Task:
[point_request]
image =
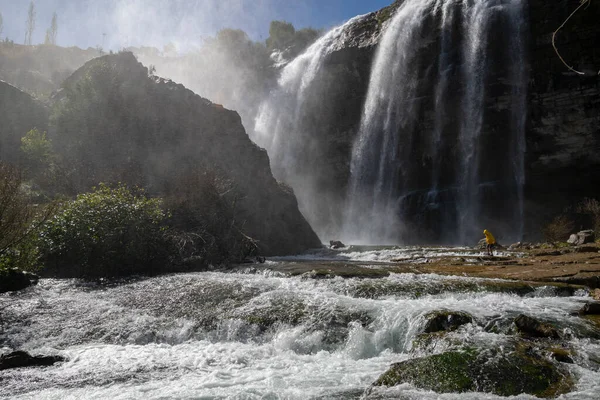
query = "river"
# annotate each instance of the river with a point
(256, 334)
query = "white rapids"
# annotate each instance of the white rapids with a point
(199, 335)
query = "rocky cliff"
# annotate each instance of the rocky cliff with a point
(112, 121)
(156, 130)
(563, 135)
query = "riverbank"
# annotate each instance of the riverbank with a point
(577, 265)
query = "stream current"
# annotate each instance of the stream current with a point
(262, 335)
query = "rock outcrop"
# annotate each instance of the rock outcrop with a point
(148, 131)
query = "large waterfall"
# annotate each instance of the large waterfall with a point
(284, 126)
(447, 179)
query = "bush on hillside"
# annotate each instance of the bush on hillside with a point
(107, 232)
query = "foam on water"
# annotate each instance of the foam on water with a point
(239, 336)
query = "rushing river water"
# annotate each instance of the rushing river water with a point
(261, 335)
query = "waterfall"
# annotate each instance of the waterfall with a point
(283, 126)
(445, 179)
(380, 157)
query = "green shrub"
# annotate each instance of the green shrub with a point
(108, 232)
(37, 151)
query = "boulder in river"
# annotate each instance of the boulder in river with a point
(12, 280)
(531, 327)
(488, 371)
(438, 321)
(20, 359)
(336, 244)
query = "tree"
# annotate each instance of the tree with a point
(1, 24)
(30, 23)
(52, 31)
(19, 221)
(281, 34)
(284, 37)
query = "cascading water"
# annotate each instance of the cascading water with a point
(284, 126)
(252, 336)
(443, 180)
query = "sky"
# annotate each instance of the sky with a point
(114, 24)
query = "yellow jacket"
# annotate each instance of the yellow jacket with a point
(489, 238)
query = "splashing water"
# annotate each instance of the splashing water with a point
(238, 336)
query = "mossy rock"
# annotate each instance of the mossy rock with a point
(489, 371)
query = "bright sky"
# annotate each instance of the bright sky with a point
(158, 22)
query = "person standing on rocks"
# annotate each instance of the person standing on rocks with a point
(490, 240)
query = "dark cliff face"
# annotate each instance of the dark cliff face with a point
(19, 113)
(562, 161)
(563, 135)
(148, 131)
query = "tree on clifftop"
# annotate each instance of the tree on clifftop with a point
(52, 31)
(30, 23)
(284, 37)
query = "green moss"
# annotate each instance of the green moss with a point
(443, 373)
(490, 371)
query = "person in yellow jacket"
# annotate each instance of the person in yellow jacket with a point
(490, 240)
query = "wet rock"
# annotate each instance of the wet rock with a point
(561, 355)
(491, 371)
(582, 237)
(20, 359)
(446, 321)
(12, 280)
(596, 294)
(590, 309)
(336, 244)
(531, 327)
